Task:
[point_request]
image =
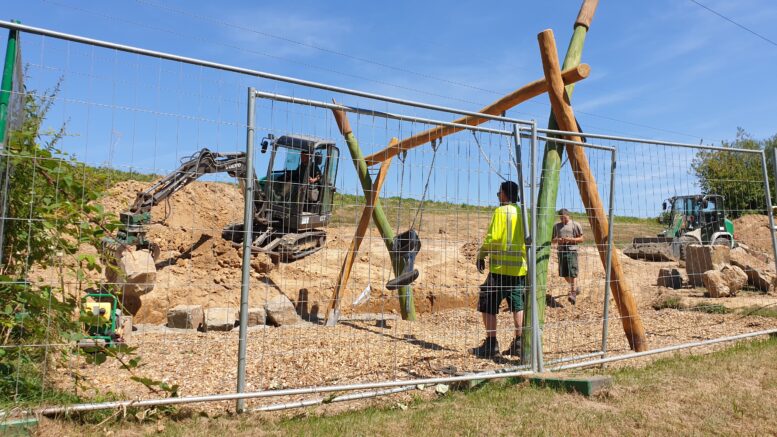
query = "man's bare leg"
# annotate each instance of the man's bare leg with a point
(489, 321)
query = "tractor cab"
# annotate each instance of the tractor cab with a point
(697, 219)
(300, 182)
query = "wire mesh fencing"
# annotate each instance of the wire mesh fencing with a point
(184, 237)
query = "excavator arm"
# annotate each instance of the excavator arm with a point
(201, 163)
(134, 220)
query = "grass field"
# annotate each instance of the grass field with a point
(731, 392)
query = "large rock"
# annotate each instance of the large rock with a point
(257, 316)
(650, 252)
(134, 273)
(699, 259)
(715, 285)
(668, 298)
(280, 311)
(185, 317)
(759, 274)
(670, 278)
(734, 277)
(219, 319)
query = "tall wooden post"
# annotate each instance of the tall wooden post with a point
(406, 304)
(559, 101)
(549, 179)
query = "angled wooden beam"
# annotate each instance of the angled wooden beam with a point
(565, 116)
(511, 100)
(361, 229)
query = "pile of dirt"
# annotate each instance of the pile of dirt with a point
(753, 231)
(195, 266)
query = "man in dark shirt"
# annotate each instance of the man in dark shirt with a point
(567, 234)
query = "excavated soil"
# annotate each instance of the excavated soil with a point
(196, 266)
(753, 230)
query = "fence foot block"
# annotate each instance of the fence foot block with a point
(585, 385)
(18, 427)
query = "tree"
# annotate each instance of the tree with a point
(737, 176)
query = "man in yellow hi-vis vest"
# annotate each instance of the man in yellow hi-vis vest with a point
(505, 246)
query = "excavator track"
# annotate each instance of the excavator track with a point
(284, 247)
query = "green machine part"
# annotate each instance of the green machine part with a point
(96, 327)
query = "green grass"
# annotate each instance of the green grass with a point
(762, 311)
(732, 391)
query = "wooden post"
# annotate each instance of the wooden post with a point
(534, 89)
(549, 179)
(559, 101)
(405, 294)
(364, 222)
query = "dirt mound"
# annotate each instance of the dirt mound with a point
(753, 231)
(195, 266)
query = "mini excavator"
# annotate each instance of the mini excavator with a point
(291, 204)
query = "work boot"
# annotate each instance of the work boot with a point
(515, 347)
(489, 348)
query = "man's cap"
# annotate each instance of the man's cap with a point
(563, 211)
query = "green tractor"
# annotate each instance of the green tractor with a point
(694, 219)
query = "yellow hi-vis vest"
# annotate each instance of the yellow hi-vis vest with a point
(504, 242)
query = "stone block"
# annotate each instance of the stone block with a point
(650, 252)
(734, 277)
(280, 311)
(670, 278)
(699, 259)
(219, 319)
(759, 274)
(715, 285)
(134, 273)
(185, 317)
(257, 316)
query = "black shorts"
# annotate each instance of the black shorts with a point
(567, 264)
(498, 287)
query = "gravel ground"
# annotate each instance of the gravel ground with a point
(434, 346)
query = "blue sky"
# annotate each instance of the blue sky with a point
(662, 69)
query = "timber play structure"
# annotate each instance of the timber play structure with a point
(558, 83)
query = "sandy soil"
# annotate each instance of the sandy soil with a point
(196, 266)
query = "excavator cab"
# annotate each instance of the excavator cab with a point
(300, 183)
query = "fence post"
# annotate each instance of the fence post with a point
(607, 274)
(248, 220)
(769, 205)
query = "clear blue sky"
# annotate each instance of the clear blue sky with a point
(661, 69)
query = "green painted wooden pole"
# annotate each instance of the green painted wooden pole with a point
(406, 304)
(7, 83)
(549, 180)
